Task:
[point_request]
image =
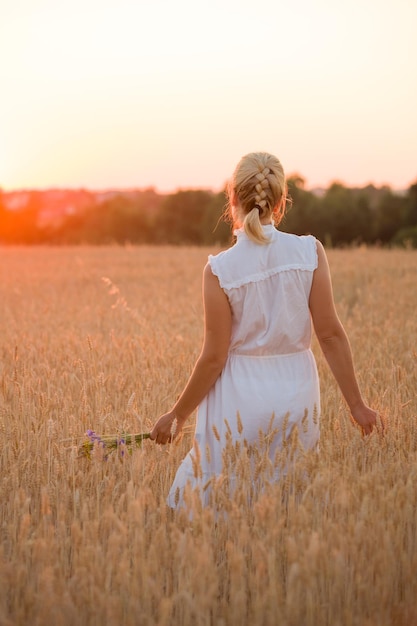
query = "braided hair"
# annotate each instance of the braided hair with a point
(257, 190)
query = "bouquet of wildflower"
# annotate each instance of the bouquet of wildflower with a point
(110, 442)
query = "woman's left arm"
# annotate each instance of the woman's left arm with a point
(210, 363)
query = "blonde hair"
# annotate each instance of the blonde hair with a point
(257, 190)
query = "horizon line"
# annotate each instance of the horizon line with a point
(158, 191)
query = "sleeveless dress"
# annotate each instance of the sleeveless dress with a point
(270, 372)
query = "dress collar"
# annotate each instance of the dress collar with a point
(268, 229)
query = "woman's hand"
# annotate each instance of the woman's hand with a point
(366, 418)
(167, 428)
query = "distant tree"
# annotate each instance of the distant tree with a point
(389, 216)
(302, 212)
(410, 207)
(118, 220)
(406, 237)
(214, 228)
(28, 218)
(363, 216)
(5, 225)
(182, 215)
(346, 215)
(21, 225)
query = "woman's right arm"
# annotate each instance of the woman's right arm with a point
(335, 344)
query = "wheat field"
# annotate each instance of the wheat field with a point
(104, 339)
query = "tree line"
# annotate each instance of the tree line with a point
(339, 216)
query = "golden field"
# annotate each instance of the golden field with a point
(104, 339)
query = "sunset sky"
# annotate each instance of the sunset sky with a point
(171, 93)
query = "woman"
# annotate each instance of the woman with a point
(256, 368)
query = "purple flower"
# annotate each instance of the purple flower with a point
(93, 437)
(121, 442)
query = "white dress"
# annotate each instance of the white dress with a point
(270, 371)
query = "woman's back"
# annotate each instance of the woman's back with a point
(268, 287)
(256, 372)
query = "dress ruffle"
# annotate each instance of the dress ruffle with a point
(255, 278)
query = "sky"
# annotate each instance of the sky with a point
(171, 93)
